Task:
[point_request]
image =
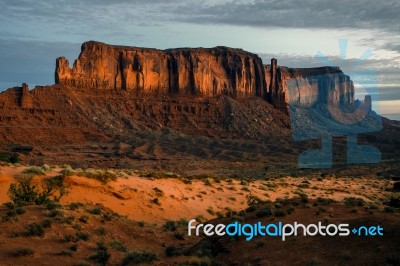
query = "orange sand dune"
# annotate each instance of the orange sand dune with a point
(134, 196)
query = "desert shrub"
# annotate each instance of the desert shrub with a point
(74, 247)
(137, 257)
(117, 245)
(389, 209)
(234, 218)
(65, 253)
(251, 208)
(54, 213)
(82, 236)
(23, 252)
(70, 238)
(156, 201)
(324, 201)
(179, 236)
(34, 229)
(104, 176)
(211, 211)
(75, 205)
(351, 201)
(172, 251)
(101, 256)
(101, 231)
(53, 205)
(67, 171)
(171, 225)
(9, 157)
(254, 200)
(158, 191)
(20, 210)
(9, 205)
(280, 213)
(46, 223)
(183, 222)
(200, 218)
(303, 197)
(267, 211)
(34, 170)
(207, 182)
(95, 211)
(25, 191)
(84, 219)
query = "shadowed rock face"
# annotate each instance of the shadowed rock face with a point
(207, 72)
(309, 86)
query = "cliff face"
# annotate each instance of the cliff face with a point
(307, 86)
(207, 72)
(201, 71)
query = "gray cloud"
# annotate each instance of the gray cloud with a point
(362, 14)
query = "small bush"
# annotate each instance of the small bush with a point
(9, 205)
(34, 229)
(95, 211)
(351, 201)
(82, 236)
(34, 170)
(75, 205)
(267, 211)
(46, 223)
(101, 256)
(9, 158)
(137, 257)
(171, 225)
(251, 208)
(84, 219)
(65, 253)
(156, 201)
(74, 247)
(101, 231)
(25, 191)
(280, 213)
(117, 245)
(324, 201)
(179, 236)
(54, 213)
(23, 252)
(158, 191)
(19, 210)
(172, 251)
(104, 176)
(389, 209)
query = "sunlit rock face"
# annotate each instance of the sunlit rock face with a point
(202, 71)
(207, 72)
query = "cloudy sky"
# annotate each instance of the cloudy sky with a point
(34, 33)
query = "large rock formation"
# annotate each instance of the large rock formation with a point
(207, 72)
(308, 86)
(201, 71)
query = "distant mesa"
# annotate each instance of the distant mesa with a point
(115, 94)
(197, 71)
